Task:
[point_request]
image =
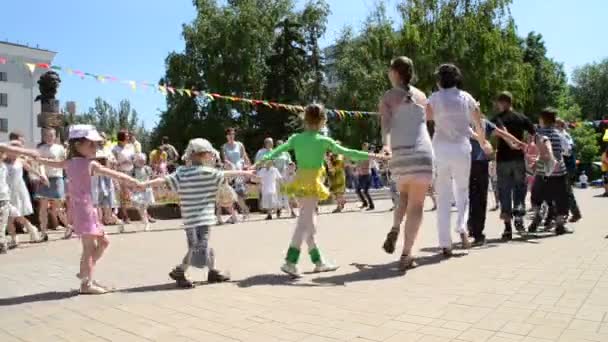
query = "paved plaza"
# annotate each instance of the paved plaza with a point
(543, 288)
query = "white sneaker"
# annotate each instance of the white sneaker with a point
(291, 270)
(323, 267)
(147, 227)
(34, 234)
(121, 228)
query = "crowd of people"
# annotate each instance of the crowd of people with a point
(431, 146)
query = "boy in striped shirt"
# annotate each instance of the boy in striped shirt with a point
(551, 175)
(197, 186)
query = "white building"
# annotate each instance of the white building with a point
(19, 88)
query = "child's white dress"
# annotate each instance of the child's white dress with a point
(146, 197)
(270, 178)
(21, 205)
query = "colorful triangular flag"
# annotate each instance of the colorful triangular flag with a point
(31, 67)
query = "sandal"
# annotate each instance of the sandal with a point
(466, 244)
(407, 262)
(391, 241)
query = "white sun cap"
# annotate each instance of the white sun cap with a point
(84, 131)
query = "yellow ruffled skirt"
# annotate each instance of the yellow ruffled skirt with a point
(308, 183)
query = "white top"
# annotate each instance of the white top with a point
(452, 113)
(5, 191)
(567, 143)
(53, 152)
(269, 178)
(124, 157)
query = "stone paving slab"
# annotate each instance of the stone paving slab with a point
(544, 288)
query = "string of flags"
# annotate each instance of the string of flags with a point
(168, 89)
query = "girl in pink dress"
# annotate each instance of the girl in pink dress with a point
(80, 166)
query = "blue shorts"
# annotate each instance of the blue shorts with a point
(54, 191)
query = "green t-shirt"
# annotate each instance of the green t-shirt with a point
(310, 148)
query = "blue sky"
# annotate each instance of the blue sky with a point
(130, 39)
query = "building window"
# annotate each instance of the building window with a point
(4, 125)
(3, 99)
(3, 77)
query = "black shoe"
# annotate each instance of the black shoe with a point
(575, 218)
(495, 208)
(214, 276)
(507, 236)
(363, 206)
(269, 217)
(391, 240)
(533, 228)
(44, 238)
(561, 230)
(548, 225)
(518, 222)
(371, 208)
(279, 214)
(179, 276)
(480, 241)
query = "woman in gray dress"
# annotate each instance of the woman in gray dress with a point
(405, 136)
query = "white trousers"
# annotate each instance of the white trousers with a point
(306, 224)
(453, 162)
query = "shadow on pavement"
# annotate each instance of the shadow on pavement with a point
(38, 297)
(272, 280)
(366, 272)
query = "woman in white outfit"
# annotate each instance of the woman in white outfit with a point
(453, 111)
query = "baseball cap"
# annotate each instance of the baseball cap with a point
(84, 131)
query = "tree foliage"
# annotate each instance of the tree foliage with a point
(586, 140)
(591, 89)
(110, 120)
(269, 49)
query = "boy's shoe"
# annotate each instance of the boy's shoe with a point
(3, 248)
(507, 236)
(575, 218)
(291, 269)
(518, 222)
(147, 227)
(325, 267)
(479, 241)
(179, 276)
(268, 217)
(561, 230)
(44, 237)
(215, 276)
(91, 288)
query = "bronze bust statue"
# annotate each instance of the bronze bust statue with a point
(48, 84)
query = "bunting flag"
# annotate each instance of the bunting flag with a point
(31, 67)
(191, 93)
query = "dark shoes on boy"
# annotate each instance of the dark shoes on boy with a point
(213, 277)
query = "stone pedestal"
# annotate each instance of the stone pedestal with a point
(51, 117)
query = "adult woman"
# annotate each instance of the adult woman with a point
(405, 135)
(235, 158)
(123, 154)
(337, 179)
(51, 196)
(453, 112)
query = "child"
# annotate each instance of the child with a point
(288, 178)
(197, 187)
(142, 199)
(20, 203)
(80, 166)
(310, 147)
(104, 193)
(5, 192)
(550, 183)
(226, 197)
(269, 183)
(605, 171)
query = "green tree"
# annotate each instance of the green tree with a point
(591, 89)
(586, 140)
(226, 49)
(110, 120)
(548, 79)
(314, 24)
